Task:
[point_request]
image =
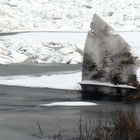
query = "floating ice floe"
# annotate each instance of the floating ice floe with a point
(72, 103)
(58, 81)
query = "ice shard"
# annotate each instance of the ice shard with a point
(107, 57)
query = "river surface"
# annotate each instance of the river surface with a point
(20, 110)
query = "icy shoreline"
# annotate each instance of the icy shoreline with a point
(42, 47)
(68, 81)
(52, 47)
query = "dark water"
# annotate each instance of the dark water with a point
(20, 111)
(30, 69)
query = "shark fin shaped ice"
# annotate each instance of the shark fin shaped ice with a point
(107, 56)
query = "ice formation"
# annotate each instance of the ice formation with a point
(107, 56)
(64, 15)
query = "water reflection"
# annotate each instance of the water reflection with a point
(114, 122)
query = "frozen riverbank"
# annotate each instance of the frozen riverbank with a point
(51, 47)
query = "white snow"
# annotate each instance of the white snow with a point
(68, 80)
(27, 49)
(52, 47)
(60, 81)
(75, 103)
(93, 82)
(72, 15)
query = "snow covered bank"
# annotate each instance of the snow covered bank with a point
(69, 80)
(59, 81)
(42, 15)
(36, 51)
(52, 47)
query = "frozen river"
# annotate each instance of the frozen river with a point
(71, 37)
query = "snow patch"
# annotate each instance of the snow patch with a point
(93, 82)
(59, 81)
(76, 103)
